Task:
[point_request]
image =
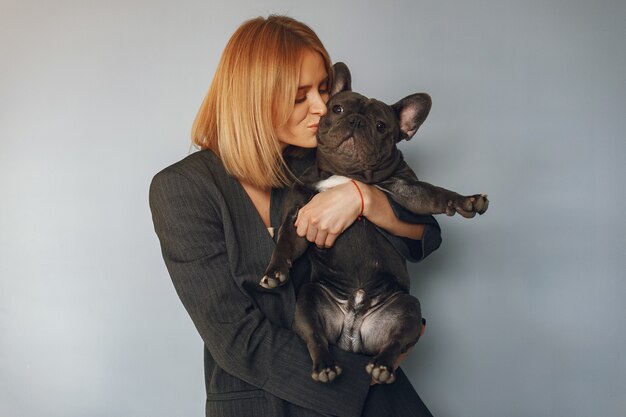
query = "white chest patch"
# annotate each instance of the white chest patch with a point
(331, 182)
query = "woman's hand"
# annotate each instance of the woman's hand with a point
(328, 214)
(331, 212)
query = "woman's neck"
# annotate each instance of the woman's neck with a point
(260, 197)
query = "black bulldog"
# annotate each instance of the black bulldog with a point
(358, 295)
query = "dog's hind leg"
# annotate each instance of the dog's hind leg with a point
(388, 331)
(318, 320)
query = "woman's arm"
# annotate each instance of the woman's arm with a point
(238, 335)
(329, 213)
(378, 210)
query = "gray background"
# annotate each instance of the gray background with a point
(525, 304)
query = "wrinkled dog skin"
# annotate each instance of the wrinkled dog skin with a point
(358, 295)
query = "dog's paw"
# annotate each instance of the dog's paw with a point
(274, 279)
(468, 206)
(381, 374)
(276, 274)
(325, 369)
(326, 374)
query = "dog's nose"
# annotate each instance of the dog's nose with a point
(356, 122)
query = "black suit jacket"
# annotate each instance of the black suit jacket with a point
(216, 248)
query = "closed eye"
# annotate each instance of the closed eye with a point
(322, 89)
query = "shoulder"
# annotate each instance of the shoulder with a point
(202, 169)
(199, 176)
(200, 165)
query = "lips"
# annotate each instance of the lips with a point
(313, 128)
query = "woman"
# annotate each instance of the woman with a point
(214, 213)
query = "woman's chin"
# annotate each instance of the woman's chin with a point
(305, 143)
(310, 143)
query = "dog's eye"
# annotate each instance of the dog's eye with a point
(337, 109)
(380, 126)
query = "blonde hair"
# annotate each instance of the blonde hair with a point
(252, 93)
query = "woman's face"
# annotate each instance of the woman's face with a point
(301, 127)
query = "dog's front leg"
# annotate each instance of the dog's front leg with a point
(289, 246)
(424, 198)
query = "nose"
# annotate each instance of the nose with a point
(318, 105)
(355, 122)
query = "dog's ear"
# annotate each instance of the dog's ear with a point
(411, 112)
(342, 81)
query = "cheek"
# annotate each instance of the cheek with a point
(297, 117)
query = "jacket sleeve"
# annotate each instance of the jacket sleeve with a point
(240, 338)
(414, 250)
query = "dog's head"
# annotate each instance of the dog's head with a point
(358, 136)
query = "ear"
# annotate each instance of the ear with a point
(342, 81)
(411, 112)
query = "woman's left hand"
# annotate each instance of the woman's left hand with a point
(328, 214)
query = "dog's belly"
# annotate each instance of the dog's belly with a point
(360, 274)
(362, 320)
(362, 258)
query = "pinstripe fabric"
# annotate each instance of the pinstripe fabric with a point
(216, 248)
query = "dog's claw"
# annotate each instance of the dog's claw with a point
(380, 373)
(273, 280)
(327, 374)
(268, 283)
(468, 206)
(450, 210)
